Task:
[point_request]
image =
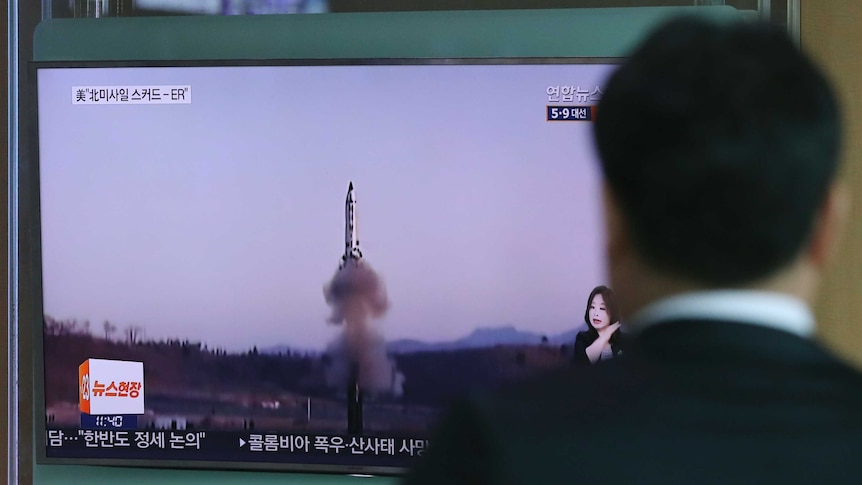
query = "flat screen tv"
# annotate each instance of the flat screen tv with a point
(298, 265)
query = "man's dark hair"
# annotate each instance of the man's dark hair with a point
(719, 143)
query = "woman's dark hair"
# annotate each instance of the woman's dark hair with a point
(610, 304)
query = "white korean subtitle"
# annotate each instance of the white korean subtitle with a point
(90, 95)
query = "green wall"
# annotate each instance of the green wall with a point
(564, 33)
(561, 32)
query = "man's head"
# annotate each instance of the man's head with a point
(719, 145)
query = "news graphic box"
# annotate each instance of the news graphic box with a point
(111, 387)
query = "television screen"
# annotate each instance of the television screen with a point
(300, 265)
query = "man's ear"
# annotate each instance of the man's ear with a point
(829, 226)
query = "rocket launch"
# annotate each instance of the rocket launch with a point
(357, 296)
(352, 253)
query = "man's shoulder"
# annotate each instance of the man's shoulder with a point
(564, 394)
(703, 401)
(524, 430)
(700, 369)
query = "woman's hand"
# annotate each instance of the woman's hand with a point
(594, 350)
(606, 333)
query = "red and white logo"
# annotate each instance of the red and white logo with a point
(111, 387)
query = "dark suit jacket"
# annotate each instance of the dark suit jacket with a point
(689, 403)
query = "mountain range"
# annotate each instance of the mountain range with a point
(479, 338)
(484, 337)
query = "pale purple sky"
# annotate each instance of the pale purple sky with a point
(221, 220)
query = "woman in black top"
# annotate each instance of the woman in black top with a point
(602, 340)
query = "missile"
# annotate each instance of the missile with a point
(351, 238)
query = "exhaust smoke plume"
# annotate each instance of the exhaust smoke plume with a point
(357, 297)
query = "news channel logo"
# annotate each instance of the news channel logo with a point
(111, 387)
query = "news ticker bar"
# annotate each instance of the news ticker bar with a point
(206, 444)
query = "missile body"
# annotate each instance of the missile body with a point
(352, 253)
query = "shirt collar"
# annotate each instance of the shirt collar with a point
(773, 310)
